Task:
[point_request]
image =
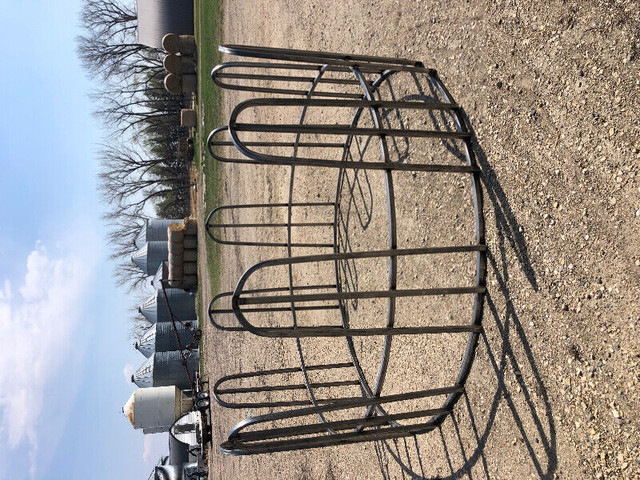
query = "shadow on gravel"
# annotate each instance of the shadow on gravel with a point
(521, 407)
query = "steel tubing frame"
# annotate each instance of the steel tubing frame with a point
(241, 298)
(211, 225)
(314, 69)
(324, 433)
(219, 393)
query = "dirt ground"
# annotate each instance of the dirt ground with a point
(552, 92)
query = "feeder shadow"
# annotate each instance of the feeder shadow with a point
(462, 439)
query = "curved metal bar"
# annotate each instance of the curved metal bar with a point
(213, 311)
(235, 127)
(219, 392)
(481, 262)
(210, 226)
(393, 242)
(376, 423)
(212, 143)
(303, 367)
(366, 63)
(268, 440)
(366, 388)
(219, 72)
(238, 301)
(222, 311)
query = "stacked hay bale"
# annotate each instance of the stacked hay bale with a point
(183, 255)
(180, 63)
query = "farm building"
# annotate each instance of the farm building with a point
(156, 18)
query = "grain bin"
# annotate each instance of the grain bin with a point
(161, 337)
(183, 306)
(154, 229)
(155, 409)
(150, 256)
(165, 368)
(161, 274)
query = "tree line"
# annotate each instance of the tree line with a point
(140, 173)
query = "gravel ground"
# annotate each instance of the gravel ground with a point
(551, 90)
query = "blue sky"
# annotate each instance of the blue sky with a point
(64, 328)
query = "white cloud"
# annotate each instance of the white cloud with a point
(148, 448)
(155, 446)
(37, 324)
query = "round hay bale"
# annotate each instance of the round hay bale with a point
(172, 64)
(188, 64)
(175, 232)
(190, 256)
(189, 281)
(176, 258)
(171, 43)
(173, 84)
(176, 272)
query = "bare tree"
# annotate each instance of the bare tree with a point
(140, 171)
(108, 18)
(108, 48)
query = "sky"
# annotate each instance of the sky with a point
(65, 346)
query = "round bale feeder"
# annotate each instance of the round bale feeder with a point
(377, 255)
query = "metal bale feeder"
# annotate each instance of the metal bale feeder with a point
(345, 270)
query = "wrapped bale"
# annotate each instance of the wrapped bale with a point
(182, 44)
(190, 268)
(179, 64)
(189, 281)
(179, 84)
(191, 226)
(191, 242)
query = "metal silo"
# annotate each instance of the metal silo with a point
(154, 229)
(165, 368)
(155, 409)
(162, 338)
(150, 256)
(183, 306)
(156, 18)
(161, 274)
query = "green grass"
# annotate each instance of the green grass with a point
(208, 32)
